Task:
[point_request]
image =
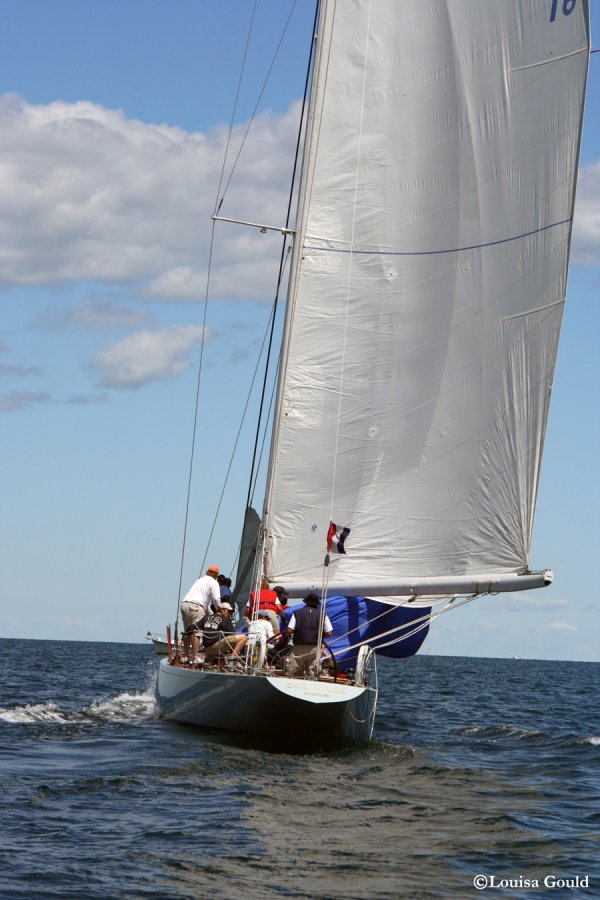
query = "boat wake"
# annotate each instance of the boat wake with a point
(125, 707)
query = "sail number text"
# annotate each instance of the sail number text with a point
(567, 8)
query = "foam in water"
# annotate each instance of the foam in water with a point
(40, 712)
(124, 707)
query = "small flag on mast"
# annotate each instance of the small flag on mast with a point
(336, 537)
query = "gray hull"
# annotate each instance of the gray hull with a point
(273, 709)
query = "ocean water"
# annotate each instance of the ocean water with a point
(478, 767)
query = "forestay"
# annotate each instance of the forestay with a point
(427, 287)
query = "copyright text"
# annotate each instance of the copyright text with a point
(485, 882)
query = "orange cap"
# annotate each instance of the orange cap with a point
(213, 569)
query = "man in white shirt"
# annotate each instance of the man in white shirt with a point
(203, 597)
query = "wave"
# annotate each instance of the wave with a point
(40, 712)
(508, 730)
(504, 729)
(124, 708)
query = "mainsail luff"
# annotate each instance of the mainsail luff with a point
(427, 287)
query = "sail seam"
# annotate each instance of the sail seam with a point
(551, 59)
(532, 312)
(507, 240)
(345, 340)
(349, 278)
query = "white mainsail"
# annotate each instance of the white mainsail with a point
(427, 289)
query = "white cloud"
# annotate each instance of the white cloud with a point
(561, 626)
(586, 228)
(86, 193)
(179, 283)
(93, 314)
(146, 356)
(245, 266)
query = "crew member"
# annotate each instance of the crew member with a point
(263, 599)
(218, 635)
(305, 626)
(202, 598)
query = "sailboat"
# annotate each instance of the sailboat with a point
(427, 286)
(161, 647)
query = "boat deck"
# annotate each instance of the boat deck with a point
(239, 667)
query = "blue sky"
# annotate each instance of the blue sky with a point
(113, 120)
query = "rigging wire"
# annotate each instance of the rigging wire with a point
(421, 623)
(390, 608)
(218, 204)
(243, 417)
(422, 619)
(282, 266)
(202, 343)
(194, 427)
(259, 98)
(259, 559)
(235, 105)
(266, 429)
(267, 361)
(265, 432)
(448, 608)
(260, 456)
(255, 471)
(284, 242)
